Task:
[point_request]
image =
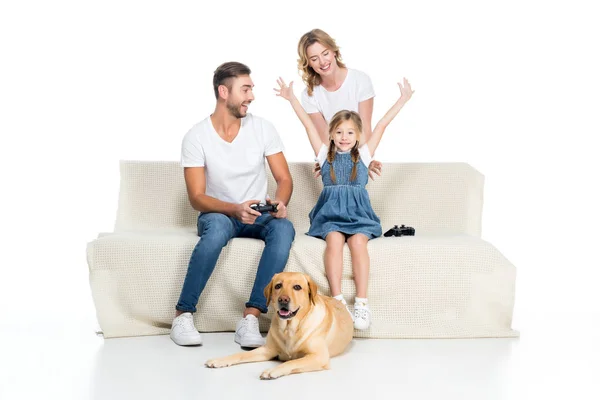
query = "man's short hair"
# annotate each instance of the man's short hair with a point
(225, 72)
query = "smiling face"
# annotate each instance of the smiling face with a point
(238, 95)
(291, 293)
(345, 136)
(321, 59)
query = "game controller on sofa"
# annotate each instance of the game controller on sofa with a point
(400, 231)
(264, 208)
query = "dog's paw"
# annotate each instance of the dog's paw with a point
(217, 363)
(271, 374)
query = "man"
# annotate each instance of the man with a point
(224, 165)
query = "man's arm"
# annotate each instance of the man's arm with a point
(195, 181)
(281, 173)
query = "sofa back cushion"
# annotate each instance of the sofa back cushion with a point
(434, 198)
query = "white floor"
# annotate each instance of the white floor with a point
(510, 88)
(64, 359)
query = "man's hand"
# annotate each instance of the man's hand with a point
(375, 168)
(245, 214)
(281, 209)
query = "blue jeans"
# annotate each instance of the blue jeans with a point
(215, 231)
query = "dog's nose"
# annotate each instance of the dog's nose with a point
(283, 299)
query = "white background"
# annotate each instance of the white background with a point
(510, 87)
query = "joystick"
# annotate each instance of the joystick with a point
(400, 231)
(264, 208)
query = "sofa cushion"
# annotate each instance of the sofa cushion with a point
(422, 286)
(434, 198)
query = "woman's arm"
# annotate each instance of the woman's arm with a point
(365, 110)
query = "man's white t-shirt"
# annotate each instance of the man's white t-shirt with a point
(235, 172)
(356, 87)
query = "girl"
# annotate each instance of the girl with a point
(343, 212)
(331, 86)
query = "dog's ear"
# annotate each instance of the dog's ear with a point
(312, 289)
(268, 290)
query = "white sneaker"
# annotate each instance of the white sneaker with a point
(183, 331)
(348, 308)
(343, 301)
(247, 333)
(362, 316)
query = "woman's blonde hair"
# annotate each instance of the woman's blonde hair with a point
(338, 118)
(310, 77)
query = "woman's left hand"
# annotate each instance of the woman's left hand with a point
(375, 168)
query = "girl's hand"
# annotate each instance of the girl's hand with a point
(285, 91)
(406, 91)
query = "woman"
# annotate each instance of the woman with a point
(331, 87)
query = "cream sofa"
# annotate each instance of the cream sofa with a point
(445, 282)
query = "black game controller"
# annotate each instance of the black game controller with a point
(264, 208)
(400, 231)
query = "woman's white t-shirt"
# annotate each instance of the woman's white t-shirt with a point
(356, 87)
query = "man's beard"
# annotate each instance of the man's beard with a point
(235, 110)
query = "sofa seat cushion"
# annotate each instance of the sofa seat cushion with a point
(421, 286)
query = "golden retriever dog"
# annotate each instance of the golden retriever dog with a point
(306, 330)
